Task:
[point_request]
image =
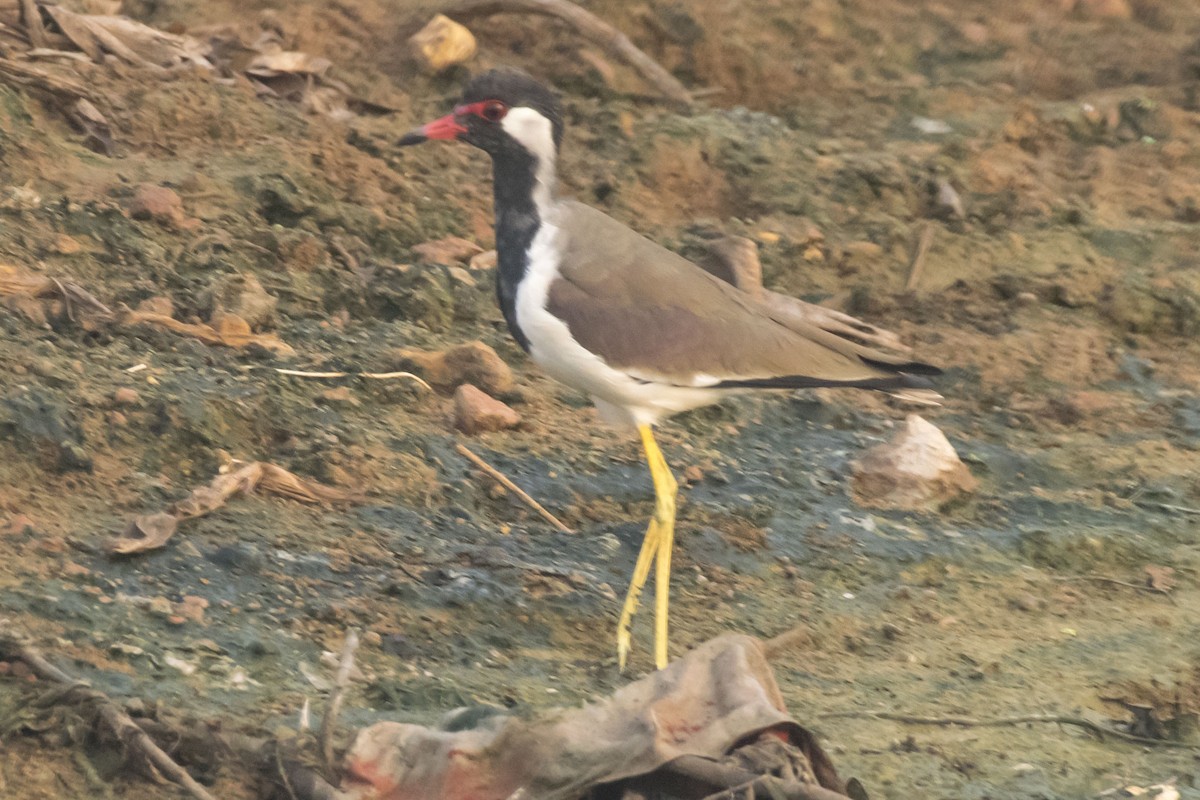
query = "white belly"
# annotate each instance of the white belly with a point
(621, 398)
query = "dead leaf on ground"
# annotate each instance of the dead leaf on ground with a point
(88, 119)
(129, 40)
(1160, 579)
(231, 330)
(151, 531)
(17, 284)
(145, 532)
(270, 65)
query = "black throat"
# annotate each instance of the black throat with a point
(517, 222)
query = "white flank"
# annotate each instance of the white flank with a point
(620, 397)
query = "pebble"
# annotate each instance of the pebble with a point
(125, 396)
(476, 412)
(917, 469)
(473, 362)
(157, 203)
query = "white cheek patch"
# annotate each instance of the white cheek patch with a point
(535, 133)
(532, 130)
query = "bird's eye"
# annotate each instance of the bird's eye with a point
(493, 111)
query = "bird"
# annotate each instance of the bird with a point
(642, 330)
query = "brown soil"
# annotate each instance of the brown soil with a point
(1065, 305)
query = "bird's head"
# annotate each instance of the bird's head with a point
(502, 111)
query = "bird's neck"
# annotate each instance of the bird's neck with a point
(524, 199)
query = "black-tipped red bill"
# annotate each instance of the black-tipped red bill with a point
(448, 127)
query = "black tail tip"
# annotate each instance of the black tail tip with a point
(412, 137)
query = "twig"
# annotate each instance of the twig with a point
(918, 262)
(126, 730)
(589, 27)
(1114, 582)
(512, 487)
(375, 376)
(329, 721)
(31, 18)
(1191, 512)
(966, 722)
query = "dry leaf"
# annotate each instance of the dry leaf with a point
(91, 122)
(151, 531)
(217, 493)
(129, 40)
(293, 62)
(14, 281)
(17, 283)
(145, 532)
(232, 330)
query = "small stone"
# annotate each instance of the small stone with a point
(372, 639)
(475, 412)
(442, 44)
(693, 474)
(338, 395)
(158, 305)
(461, 275)
(484, 260)
(125, 396)
(863, 250)
(65, 245)
(918, 469)
(474, 363)
(191, 608)
(17, 525)
(1026, 602)
(243, 296)
(1113, 9)
(448, 250)
(116, 419)
(157, 203)
(160, 606)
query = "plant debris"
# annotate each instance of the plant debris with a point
(151, 531)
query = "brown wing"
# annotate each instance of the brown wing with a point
(646, 310)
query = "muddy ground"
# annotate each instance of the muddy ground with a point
(1064, 303)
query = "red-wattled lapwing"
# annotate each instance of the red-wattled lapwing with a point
(643, 331)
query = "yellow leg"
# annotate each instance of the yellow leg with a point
(656, 549)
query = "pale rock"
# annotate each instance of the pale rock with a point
(442, 44)
(917, 470)
(475, 412)
(157, 203)
(473, 362)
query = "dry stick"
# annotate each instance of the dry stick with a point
(1191, 512)
(512, 487)
(918, 262)
(126, 730)
(375, 376)
(1114, 582)
(31, 18)
(329, 721)
(589, 27)
(967, 722)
